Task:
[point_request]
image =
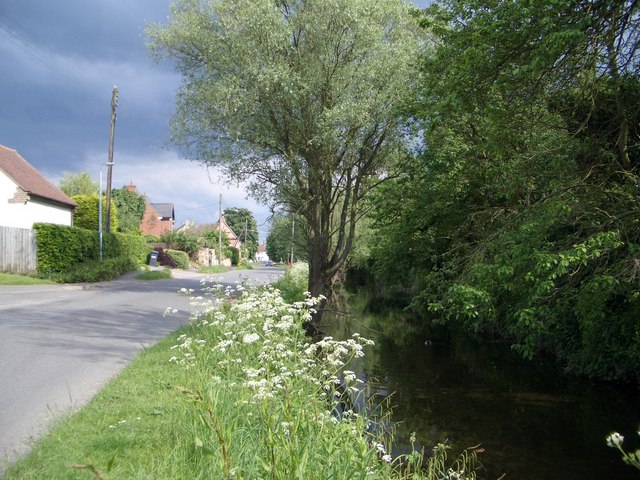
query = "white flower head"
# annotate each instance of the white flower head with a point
(615, 440)
(250, 338)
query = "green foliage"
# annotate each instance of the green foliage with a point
(86, 214)
(95, 271)
(80, 183)
(15, 279)
(181, 259)
(155, 275)
(189, 241)
(71, 254)
(236, 218)
(60, 247)
(245, 396)
(234, 255)
(214, 269)
(130, 211)
(293, 284)
(518, 217)
(278, 243)
(300, 99)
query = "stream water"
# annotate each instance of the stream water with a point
(534, 422)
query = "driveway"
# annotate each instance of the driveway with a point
(61, 344)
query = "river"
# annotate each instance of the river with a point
(533, 421)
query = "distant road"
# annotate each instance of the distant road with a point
(61, 344)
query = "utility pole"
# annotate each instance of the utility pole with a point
(114, 105)
(246, 250)
(293, 230)
(220, 232)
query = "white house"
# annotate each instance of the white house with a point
(26, 197)
(261, 254)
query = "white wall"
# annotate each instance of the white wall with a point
(19, 215)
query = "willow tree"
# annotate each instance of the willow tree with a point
(299, 98)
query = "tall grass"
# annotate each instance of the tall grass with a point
(293, 284)
(242, 393)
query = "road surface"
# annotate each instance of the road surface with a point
(60, 344)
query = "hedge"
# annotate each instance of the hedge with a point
(86, 214)
(181, 259)
(62, 249)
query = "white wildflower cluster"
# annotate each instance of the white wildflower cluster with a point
(382, 451)
(170, 311)
(335, 355)
(256, 342)
(186, 350)
(615, 440)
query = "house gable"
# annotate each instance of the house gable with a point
(157, 218)
(27, 197)
(30, 180)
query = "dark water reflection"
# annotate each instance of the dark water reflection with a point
(533, 421)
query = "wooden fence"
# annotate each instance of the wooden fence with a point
(18, 252)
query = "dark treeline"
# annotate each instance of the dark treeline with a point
(519, 216)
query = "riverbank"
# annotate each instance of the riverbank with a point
(534, 420)
(239, 393)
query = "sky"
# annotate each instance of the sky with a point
(60, 62)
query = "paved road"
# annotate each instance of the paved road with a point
(60, 344)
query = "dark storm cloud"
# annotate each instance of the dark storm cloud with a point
(61, 60)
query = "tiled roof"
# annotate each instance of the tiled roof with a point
(30, 179)
(164, 209)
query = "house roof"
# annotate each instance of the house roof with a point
(164, 209)
(30, 179)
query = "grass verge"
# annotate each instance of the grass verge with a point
(155, 275)
(239, 394)
(214, 269)
(13, 279)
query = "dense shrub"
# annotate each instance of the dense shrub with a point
(60, 246)
(95, 271)
(165, 259)
(72, 254)
(181, 259)
(293, 284)
(86, 214)
(235, 255)
(189, 242)
(132, 246)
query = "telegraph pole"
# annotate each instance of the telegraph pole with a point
(246, 250)
(220, 232)
(114, 105)
(293, 231)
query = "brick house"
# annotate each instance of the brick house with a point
(158, 217)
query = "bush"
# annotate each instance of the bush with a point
(71, 254)
(181, 259)
(164, 259)
(184, 241)
(86, 214)
(95, 271)
(295, 282)
(235, 255)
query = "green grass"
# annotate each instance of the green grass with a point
(12, 279)
(214, 269)
(244, 266)
(136, 419)
(240, 394)
(155, 275)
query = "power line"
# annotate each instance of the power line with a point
(21, 37)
